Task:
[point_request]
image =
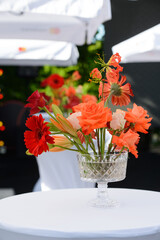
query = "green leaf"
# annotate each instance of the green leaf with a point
(52, 128)
(56, 110)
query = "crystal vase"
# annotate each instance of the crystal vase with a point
(102, 170)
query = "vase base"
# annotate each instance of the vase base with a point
(106, 203)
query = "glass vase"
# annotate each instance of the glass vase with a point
(102, 170)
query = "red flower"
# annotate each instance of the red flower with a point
(139, 117)
(36, 100)
(47, 98)
(1, 96)
(73, 101)
(1, 72)
(54, 81)
(120, 93)
(37, 137)
(2, 128)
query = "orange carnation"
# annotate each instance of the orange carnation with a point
(139, 117)
(93, 116)
(129, 140)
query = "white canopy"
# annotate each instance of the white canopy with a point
(37, 52)
(144, 47)
(60, 20)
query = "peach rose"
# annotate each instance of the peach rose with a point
(118, 121)
(74, 120)
(79, 89)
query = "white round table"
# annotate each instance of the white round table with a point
(65, 214)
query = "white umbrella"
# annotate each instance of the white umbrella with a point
(37, 52)
(143, 47)
(73, 21)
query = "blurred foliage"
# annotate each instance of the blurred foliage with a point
(19, 86)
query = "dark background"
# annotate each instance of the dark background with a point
(128, 19)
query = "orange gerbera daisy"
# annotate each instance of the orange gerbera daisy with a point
(93, 116)
(129, 140)
(139, 117)
(120, 93)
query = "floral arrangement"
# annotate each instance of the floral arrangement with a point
(63, 93)
(86, 127)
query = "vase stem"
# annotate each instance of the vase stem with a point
(102, 192)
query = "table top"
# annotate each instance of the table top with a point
(66, 214)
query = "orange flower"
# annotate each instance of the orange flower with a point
(60, 141)
(95, 75)
(70, 91)
(114, 61)
(139, 117)
(56, 101)
(87, 98)
(63, 125)
(120, 93)
(94, 116)
(129, 140)
(76, 76)
(1, 72)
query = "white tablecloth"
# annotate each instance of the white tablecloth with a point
(62, 214)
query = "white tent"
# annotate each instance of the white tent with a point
(37, 52)
(73, 21)
(144, 47)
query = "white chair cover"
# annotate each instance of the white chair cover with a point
(59, 170)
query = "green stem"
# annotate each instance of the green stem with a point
(98, 143)
(91, 144)
(107, 101)
(46, 110)
(120, 152)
